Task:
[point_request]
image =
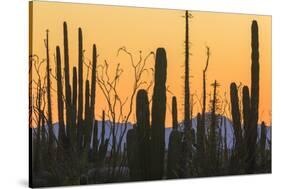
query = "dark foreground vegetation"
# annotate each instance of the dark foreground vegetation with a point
(81, 154)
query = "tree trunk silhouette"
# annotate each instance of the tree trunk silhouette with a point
(49, 99)
(186, 156)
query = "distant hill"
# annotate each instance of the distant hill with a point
(224, 122)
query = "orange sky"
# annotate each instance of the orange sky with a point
(111, 27)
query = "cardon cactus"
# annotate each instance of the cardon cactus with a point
(236, 117)
(246, 110)
(67, 82)
(80, 91)
(95, 142)
(143, 132)
(133, 154)
(62, 136)
(254, 115)
(86, 126)
(74, 107)
(237, 158)
(158, 115)
(138, 140)
(174, 148)
(93, 87)
(174, 113)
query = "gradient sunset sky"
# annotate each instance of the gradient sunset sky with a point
(146, 29)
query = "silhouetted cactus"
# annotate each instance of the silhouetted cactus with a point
(252, 138)
(174, 113)
(158, 115)
(60, 103)
(67, 82)
(246, 110)
(95, 142)
(86, 126)
(237, 159)
(80, 90)
(74, 108)
(143, 133)
(138, 140)
(93, 87)
(133, 154)
(174, 148)
(236, 117)
(254, 115)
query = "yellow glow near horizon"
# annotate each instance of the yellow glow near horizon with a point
(112, 27)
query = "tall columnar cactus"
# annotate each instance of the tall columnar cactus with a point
(143, 133)
(93, 87)
(246, 110)
(236, 117)
(133, 154)
(49, 98)
(95, 142)
(254, 115)
(158, 115)
(174, 113)
(67, 82)
(80, 90)
(86, 124)
(60, 103)
(174, 148)
(74, 106)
